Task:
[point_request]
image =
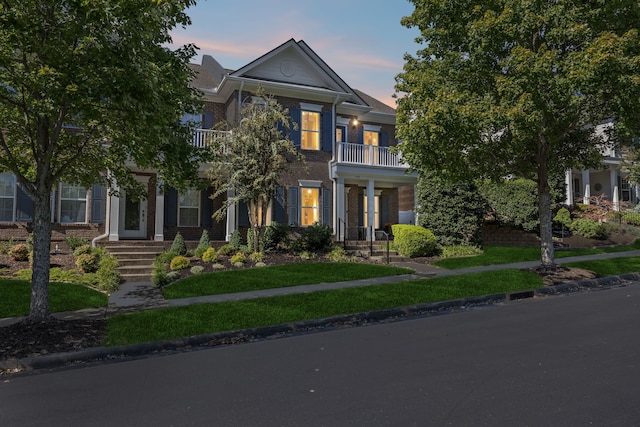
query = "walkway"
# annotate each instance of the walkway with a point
(137, 296)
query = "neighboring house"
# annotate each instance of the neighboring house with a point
(351, 181)
(610, 179)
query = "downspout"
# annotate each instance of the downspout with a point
(107, 223)
(333, 159)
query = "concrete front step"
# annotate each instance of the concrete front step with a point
(135, 258)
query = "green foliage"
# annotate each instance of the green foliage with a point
(203, 244)
(315, 238)
(414, 241)
(178, 246)
(73, 242)
(210, 255)
(459, 251)
(19, 252)
(513, 202)
(563, 218)
(306, 255)
(88, 263)
(227, 249)
(81, 250)
(179, 263)
(239, 257)
(166, 257)
(632, 218)
(235, 241)
(454, 212)
(276, 236)
(172, 276)
(338, 254)
(589, 228)
(197, 269)
(6, 245)
(159, 274)
(256, 257)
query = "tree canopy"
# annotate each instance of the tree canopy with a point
(88, 87)
(517, 88)
(253, 158)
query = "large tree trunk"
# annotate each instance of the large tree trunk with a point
(544, 205)
(40, 310)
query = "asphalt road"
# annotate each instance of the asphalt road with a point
(558, 361)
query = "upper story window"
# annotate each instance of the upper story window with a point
(189, 208)
(310, 130)
(73, 203)
(371, 137)
(7, 196)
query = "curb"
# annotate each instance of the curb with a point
(57, 360)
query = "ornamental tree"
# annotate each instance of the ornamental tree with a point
(85, 88)
(519, 88)
(252, 158)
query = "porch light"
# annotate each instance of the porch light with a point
(354, 122)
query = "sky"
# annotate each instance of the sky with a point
(361, 40)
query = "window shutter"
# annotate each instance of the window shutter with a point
(327, 218)
(171, 207)
(98, 197)
(384, 139)
(278, 212)
(243, 214)
(361, 135)
(294, 196)
(207, 120)
(25, 206)
(360, 210)
(384, 209)
(207, 208)
(295, 135)
(326, 132)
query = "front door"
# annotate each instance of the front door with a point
(133, 216)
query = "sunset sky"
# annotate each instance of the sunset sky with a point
(361, 40)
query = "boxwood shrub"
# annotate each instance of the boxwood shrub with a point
(414, 241)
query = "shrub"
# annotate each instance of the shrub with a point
(197, 269)
(454, 212)
(459, 251)
(107, 274)
(513, 202)
(166, 257)
(82, 250)
(235, 241)
(315, 238)
(217, 266)
(210, 255)
(5, 246)
(307, 255)
(239, 257)
(159, 274)
(179, 263)
(589, 229)
(338, 254)
(632, 218)
(74, 242)
(414, 241)
(88, 263)
(19, 252)
(563, 218)
(172, 276)
(276, 236)
(256, 257)
(226, 250)
(203, 244)
(260, 264)
(178, 246)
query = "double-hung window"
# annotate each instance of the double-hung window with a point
(7, 196)
(310, 130)
(309, 208)
(189, 208)
(73, 203)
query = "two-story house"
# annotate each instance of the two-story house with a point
(352, 181)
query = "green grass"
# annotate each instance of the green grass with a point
(16, 296)
(507, 254)
(609, 267)
(279, 276)
(208, 318)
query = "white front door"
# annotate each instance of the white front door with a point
(133, 215)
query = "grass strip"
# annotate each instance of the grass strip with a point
(16, 297)
(609, 267)
(507, 254)
(209, 318)
(279, 276)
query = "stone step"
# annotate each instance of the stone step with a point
(135, 269)
(126, 262)
(136, 277)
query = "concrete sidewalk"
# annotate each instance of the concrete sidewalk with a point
(138, 296)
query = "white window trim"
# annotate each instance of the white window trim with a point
(15, 200)
(314, 108)
(86, 205)
(302, 207)
(190, 207)
(371, 128)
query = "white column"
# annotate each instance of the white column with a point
(371, 207)
(615, 198)
(339, 218)
(569, 185)
(231, 217)
(114, 224)
(159, 228)
(586, 184)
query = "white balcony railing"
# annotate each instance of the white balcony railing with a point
(209, 138)
(372, 155)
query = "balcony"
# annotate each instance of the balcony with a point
(371, 155)
(209, 138)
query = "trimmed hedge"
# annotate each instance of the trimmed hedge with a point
(413, 240)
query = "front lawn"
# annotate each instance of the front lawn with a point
(208, 318)
(278, 276)
(16, 297)
(609, 267)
